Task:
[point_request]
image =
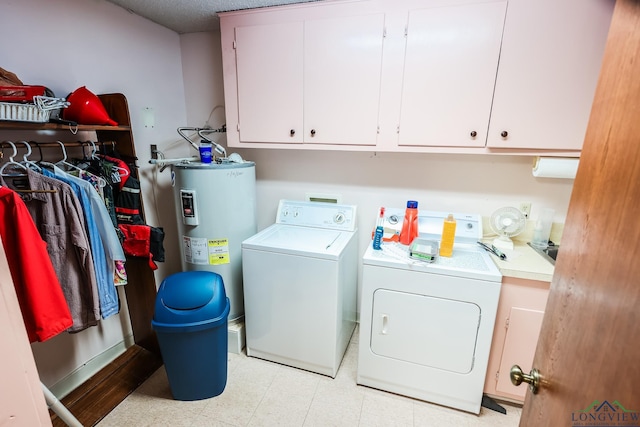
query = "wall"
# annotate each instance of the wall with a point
(71, 43)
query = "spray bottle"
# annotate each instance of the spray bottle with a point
(377, 238)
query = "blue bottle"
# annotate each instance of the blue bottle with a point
(377, 237)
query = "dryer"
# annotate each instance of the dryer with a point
(426, 328)
(300, 279)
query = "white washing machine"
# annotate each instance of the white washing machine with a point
(426, 328)
(300, 279)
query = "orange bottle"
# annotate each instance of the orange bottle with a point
(448, 236)
(410, 224)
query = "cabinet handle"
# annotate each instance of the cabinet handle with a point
(473, 134)
(292, 132)
(313, 132)
(504, 134)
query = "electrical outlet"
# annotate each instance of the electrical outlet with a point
(154, 151)
(525, 208)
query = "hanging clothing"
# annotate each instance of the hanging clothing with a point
(121, 167)
(128, 203)
(44, 308)
(90, 203)
(98, 172)
(60, 221)
(96, 182)
(105, 170)
(112, 238)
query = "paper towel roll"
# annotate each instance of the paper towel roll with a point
(555, 167)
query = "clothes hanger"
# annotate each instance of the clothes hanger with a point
(64, 162)
(25, 158)
(93, 156)
(12, 162)
(94, 152)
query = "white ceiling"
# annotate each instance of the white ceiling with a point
(191, 16)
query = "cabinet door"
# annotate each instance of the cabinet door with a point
(549, 66)
(449, 74)
(519, 347)
(342, 69)
(270, 73)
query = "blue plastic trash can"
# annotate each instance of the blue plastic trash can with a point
(190, 320)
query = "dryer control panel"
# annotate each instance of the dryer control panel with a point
(468, 226)
(317, 214)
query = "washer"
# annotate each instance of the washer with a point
(426, 328)
(300, 279)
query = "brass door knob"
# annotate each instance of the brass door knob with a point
(518, 377)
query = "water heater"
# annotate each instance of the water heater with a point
(216, 205)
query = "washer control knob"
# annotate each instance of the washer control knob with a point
(339, 218)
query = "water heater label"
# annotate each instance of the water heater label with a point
(218, 251)
(203, 251)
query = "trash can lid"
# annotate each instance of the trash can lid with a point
(190, 296)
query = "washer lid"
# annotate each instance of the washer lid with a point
(295, 240)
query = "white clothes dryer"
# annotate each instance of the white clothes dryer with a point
(300, 279)
(426, 328)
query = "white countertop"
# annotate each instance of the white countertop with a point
(523, 262)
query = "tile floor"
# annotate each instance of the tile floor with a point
(262, 393)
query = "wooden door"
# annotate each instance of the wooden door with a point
(588, 352)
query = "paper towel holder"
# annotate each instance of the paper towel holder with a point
(555, 167)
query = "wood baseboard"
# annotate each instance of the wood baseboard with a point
(101, 393)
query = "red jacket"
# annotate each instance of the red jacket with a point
(44, 309)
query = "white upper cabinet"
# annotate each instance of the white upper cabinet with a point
(342, 66)
(549, 67)
(270, 78)
(313, 81)
(449, 74)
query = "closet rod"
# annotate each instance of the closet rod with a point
(66, 144)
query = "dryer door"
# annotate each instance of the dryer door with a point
(435, 332)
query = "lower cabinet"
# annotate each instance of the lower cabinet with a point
(515, 335)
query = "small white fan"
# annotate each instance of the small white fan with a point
(507, 222)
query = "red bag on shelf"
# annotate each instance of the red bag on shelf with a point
(21, 93)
